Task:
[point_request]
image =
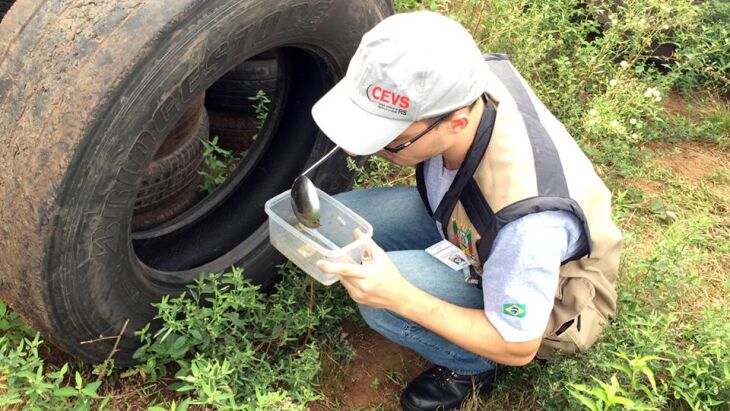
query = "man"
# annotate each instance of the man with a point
(499, 178)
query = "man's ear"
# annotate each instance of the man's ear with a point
(458, 121)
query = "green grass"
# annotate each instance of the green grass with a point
(668, 346)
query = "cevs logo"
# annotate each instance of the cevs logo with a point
(389, 100)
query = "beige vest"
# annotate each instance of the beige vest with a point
(524, 161)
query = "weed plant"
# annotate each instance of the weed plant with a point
(231, 346)
(261, 103)
(220, 162)
(12, 328)
(26, 382)
(378, 172)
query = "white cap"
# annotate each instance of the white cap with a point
(409, 67)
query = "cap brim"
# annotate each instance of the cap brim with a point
(351, 127)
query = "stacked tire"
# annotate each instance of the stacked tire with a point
(230, 101)
(170, 184)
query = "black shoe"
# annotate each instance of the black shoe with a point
(439, 388)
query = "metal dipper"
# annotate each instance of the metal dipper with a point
(304, 198)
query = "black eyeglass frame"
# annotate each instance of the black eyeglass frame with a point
(400, 147)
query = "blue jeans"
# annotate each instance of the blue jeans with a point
(403, 228)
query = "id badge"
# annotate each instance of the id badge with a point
(449, 254)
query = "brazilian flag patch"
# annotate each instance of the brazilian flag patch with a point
(515, 310)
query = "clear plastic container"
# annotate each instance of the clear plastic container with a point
(333, 241)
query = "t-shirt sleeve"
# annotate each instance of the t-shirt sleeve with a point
(521, 275)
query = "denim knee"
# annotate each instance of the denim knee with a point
(427, 344)
(388, 324)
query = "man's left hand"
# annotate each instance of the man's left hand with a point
(376, 283)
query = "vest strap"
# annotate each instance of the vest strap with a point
(548, 168)
(466, 171)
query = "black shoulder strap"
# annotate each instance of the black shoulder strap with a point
(421, 186)
(466, 171)
(468, 167)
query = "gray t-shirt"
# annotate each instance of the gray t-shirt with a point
(521, 276)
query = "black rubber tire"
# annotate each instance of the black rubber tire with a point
(169, 175)
(187, 127)
(172, 207)
(233, 92)
(235, 131)
(658, 54)
(5, 5)
(84, 108)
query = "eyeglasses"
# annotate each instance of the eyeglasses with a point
(400, 147)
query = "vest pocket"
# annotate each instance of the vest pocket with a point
(578, 323)
(587, 327)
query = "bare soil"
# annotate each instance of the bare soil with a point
(375, 377)
(675, 103)
(694, 161)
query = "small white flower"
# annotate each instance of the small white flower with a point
(649, 92)
(634, 136)
(624, 64)
(665, 27)
(591, 122)
(613, 82)
(632, 121)
(657, 99)
(592, 112)
(655, 93)
(614, 123)
(642, 22)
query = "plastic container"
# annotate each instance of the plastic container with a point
(333, 241)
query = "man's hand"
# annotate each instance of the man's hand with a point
(376, 283)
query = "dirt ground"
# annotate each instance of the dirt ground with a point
(694, 161)
(374, 378)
